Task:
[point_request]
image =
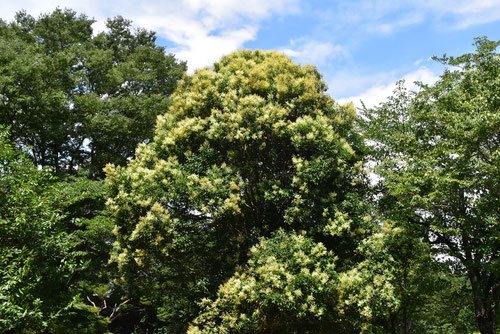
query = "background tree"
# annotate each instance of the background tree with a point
(248, 147)
(398, 288)
(39, 256)
(76, 100)
(440, 164)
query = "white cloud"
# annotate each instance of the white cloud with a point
(379, 93)
(419, 61)
(454, 14)
(348, 18)
(206, 49)
(345, 83)
(465, 13)
(201, 30)
(35, 8)
(389, 27)
(205, 30)
(313, 52)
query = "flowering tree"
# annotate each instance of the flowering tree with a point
(248, 147)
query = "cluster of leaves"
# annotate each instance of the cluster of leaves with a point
(288, 286)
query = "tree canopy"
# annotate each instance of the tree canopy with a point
(77, 100)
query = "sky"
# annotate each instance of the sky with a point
(361, 47)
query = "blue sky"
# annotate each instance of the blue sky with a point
(361, 47)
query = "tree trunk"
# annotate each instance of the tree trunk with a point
(393, 323)
(486, 324)
(485, 312)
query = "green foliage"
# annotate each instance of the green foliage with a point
(82, 204)
(398, 288)
(440, 168)
(77, 100)
(445, 304)
(39, 259)
(247, 148)
(376, 287)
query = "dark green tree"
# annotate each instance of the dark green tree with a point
(75, 101)
(78, 101)
(439, 157)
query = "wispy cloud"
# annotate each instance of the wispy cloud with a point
(390, 16)
(378, 93)
(345, 83)
(314, 52)
(463, 13)
(390, 26)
